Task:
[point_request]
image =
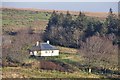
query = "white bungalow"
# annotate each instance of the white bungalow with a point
(44, 49)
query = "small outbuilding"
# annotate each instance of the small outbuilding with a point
(44, 49)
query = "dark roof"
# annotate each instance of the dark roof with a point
(46, 46)
(35, 48)
(43, 46)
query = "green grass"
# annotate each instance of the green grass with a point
(38, 73)
(17, 18)
(35, 73)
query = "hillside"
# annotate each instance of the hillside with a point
(93, 14)
(35, 18)
(21, 28)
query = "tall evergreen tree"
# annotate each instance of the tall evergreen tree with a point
(67, 20)
(61, 18)
(81, 21)
(52, 23)
(112, 22)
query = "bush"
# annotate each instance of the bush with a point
(12, 33)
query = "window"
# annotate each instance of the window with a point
(52, 51)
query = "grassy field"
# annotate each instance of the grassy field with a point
(23, 72)
(34, 73)
(72, 60)
(15, 19)
(22, 18)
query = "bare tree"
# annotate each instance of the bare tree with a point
(99, 51)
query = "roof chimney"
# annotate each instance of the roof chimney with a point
(48, 42)
(37, 44)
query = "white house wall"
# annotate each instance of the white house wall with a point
(31, 53)
(50, 53)
(36, 53)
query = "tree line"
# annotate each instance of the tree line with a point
(69, 30)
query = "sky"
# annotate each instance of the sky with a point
(71, 6)
(60, 0)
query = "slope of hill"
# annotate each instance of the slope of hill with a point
(35, 18)
(21, 29)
